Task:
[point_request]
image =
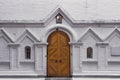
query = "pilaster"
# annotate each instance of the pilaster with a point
(40, 57)
(102, 55)
(76, 62)
(14, 56)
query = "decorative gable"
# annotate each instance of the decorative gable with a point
(58, 10)
(27, 34)
(91, 35)
(5, 36)
(27, 39)
(114, 33)
(114, 38)
(4, 49)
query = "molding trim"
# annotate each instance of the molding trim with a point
(68, 30)
(75, 43)
(92, 32)
(13, 44)
(40, 43)
(27, 33)
(6, 35)
(116, 30)
(102, 43)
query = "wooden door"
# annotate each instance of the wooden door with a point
(58, 55)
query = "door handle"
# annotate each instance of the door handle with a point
(60, 61)
(56, 61)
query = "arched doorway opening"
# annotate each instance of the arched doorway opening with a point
(58, 55)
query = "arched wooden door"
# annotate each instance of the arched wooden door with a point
(58, 55)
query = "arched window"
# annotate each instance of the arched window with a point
(27, 52)
(89, 52)
(59, 18)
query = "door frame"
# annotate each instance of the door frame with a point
(71, 34)
(69, 53)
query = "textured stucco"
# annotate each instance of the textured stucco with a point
(77, 9)
(103, 38)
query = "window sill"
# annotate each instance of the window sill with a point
(4, 61)
(90, 60)
(24, 61)
(112, 60)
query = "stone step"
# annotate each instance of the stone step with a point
(58, 79)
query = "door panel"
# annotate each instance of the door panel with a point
(58, 55)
